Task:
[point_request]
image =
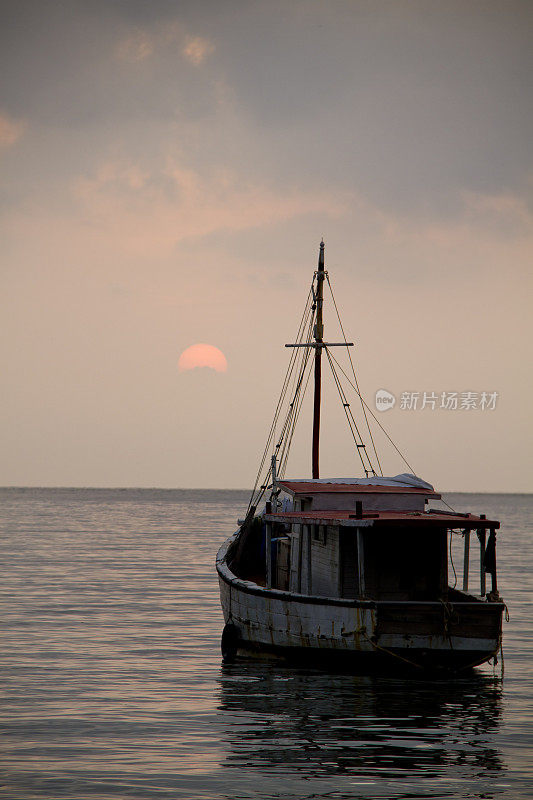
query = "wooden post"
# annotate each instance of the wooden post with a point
(466, 560)
(309, 573)
(492, 548)
(300, 559)
(268, 547)
(319, 333)
(360, 562)
(273, 496)
(482, 575)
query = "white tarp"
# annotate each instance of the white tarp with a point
(404, 480)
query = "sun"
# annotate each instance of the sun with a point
(202, 355)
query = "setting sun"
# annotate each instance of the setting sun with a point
(202, 355)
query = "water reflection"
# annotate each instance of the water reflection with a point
(361, 736)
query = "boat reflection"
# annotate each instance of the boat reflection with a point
(361, 732)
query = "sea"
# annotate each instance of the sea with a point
(112, 683)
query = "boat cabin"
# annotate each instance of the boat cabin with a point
(402, 493)
(366, 538)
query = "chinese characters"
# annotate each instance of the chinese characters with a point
(448, 401)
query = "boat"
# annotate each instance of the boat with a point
(352, 571)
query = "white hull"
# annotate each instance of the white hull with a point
(295, 625)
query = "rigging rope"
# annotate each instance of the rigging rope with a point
(376, 420)
(298, 380)
(451, 559)
(295, 385)
(354, 375)
(294, 411)
(283, 463)
(297, 361)
(351, 421)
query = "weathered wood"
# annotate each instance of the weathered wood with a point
(325, 560)
(290, 622)
(490, 561)
(457, 619)
(300, 556)
(268, 554)
(309, 581)
(466, 560)
(482, 573)
(283, 563)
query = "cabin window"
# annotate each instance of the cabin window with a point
(320, 534)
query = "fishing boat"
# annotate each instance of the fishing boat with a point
(354, 569)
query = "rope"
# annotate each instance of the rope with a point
(502, 669)
(295, 385)
(350, 419)
(376, 420)
(378, 423)
(389, 652)
(305, 322)
(449, 616)
(283, 464)
(476, 663)
(354, 375)
(451, 560)
(292, 417)
(295, 405)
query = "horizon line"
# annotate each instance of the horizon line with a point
(221, 489)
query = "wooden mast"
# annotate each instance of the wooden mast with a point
(319, 333)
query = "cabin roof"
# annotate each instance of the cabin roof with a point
(311, 487)
(434, 519)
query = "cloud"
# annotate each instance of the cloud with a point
(140, 44)
(196, 49)
(10, 130)
(505, 211)
(148, 212)
(136, 46)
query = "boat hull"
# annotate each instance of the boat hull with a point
(359, 633)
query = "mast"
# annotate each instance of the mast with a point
(319, 333)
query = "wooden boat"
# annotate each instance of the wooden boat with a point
(352, 570)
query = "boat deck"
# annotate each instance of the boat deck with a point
(351, 518)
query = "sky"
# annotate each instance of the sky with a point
(167, 171)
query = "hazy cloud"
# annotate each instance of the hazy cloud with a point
(137, 46)
(10, 130)
(197, 49)
(142, 43)
(150, 212)
(506, 212)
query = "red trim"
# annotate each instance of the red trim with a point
(412, 517)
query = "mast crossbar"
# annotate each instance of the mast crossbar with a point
(322, 344)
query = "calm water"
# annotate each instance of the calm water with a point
(113, 686)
